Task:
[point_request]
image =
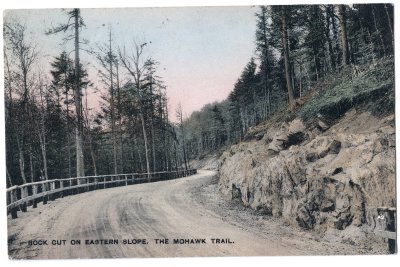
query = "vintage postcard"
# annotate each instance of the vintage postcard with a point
(158, 132)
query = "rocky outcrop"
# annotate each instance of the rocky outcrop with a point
(318, 177)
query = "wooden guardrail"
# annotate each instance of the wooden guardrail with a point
(388, 216)
(29, 194)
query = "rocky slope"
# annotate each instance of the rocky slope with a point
(321, 175)
(208, 162)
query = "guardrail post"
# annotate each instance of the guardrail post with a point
(14, 210)
(388, 214)
(45, 191)
(71, 184)
(392, 227)
(24, 194)
(87, 181)
(34, 192)
(52, 187)
(62, 188)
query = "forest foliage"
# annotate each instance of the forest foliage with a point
(308, 58)
(52, 133)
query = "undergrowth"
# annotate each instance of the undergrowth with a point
(368, 87)
(371, 84)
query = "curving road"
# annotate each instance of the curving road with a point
(175, 209)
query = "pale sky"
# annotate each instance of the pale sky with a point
(201, 50)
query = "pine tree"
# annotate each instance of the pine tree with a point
(77, 24)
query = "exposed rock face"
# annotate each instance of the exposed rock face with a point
(319, 177)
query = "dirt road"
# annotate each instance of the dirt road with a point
(184, 209)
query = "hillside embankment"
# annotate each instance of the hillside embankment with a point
(327, 165)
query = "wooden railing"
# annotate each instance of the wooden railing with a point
(29, 194)
(387, 216)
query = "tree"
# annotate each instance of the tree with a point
(284, 31)
(179, 116)
(63, 80)
(315, 40)
(263, 47)
(135, 66)
(42, 128)
(244, 95)
(329, 16)
(107, 60)
(343, 35)
(25, 55)
(75, 26)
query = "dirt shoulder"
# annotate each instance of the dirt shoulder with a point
(281, 231)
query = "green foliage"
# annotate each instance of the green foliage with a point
(346, 92)
(133, 120)
(315, 65)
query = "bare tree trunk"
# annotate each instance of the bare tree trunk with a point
(121, 151)
(114, 138)
(9, 177)
(335, 35)
(10, 150)
(265, 73)
(180, 118)
(300, 74)
(21, 161)
(153, 146)
(145, 144)
(89, 134)
(42, 141)
(286, 57)
(390, 24)
(42, 136)
(343, 35)
(92, 156)
(176, 156)
(328, 13)
(378, 32)
(316, 66)
(167, 141)
(184, 147)
(68, 134)
(80, 167)
(31, 171)
(140, 156)
(7, 66)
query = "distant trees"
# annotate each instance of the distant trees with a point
(179, 116)
(135, 66)
(131, 131)
(296, 47)
(284, 15)
(107, 72)
(20, 57)
(263, 48)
